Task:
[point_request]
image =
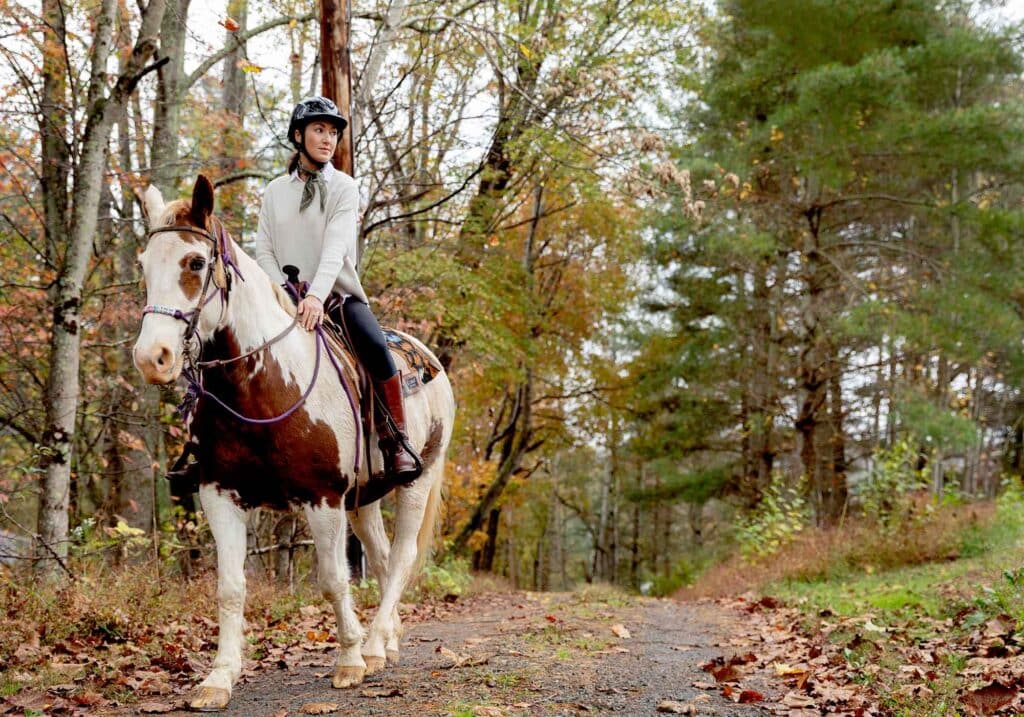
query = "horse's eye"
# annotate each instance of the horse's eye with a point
(197, 264)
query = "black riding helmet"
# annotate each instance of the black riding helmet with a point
(313, 109)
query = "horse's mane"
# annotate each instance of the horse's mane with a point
(283, 299)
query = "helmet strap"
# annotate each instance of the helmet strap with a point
(302, 149)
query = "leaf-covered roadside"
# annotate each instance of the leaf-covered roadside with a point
(132, 637)
(965, 660)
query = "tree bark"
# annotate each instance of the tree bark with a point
(165, 166)
(62, 389)
(336, 78)
(818, 449)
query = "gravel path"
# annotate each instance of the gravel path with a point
(524, 654)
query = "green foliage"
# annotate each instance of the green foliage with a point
(940, 428)
(445, 580)
(883, 495)
(782, 514)
(697, 486)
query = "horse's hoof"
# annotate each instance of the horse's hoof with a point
(209, 699)
(346, 676)
(392, 656)
(374, 663)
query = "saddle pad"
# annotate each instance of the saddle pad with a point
(422, 365)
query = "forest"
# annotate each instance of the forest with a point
(728, 293)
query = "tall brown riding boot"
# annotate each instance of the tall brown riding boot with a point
(401, 463)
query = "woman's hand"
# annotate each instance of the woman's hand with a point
(311, 313)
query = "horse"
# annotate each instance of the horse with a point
(277, 429)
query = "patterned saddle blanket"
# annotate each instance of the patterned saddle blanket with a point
(421, 367)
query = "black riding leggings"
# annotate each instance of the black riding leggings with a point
(368, 339)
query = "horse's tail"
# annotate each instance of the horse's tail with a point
(430, 525)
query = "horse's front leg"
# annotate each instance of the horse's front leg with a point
(328, 527)
(227, 523)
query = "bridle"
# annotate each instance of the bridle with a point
(224, 266)
(220, 245)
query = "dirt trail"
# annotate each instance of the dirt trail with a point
(523, 654)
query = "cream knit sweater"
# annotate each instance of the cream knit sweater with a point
(316, 242)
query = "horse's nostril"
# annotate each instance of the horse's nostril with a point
(164, 358)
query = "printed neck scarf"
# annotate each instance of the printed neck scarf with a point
(313, 181)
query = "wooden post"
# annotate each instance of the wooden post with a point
(335, 58)
(336, 84)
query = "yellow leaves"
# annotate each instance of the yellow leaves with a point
(477, 540)
(621, 631)
(784, 670)
(777, 135)
(249, 68)
(127, 531)
(526, 51)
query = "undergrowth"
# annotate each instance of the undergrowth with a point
(858, 546)
(963, 573)
(152, 616)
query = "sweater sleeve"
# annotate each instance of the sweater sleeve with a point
(263, 245)
(339, 241)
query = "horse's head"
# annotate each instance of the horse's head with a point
(183, 266)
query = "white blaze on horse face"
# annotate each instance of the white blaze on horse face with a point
(166, 266)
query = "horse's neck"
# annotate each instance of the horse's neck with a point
(253, 315)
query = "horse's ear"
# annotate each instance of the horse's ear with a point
(202, 201)
(152, 204)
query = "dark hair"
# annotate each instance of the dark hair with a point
(293, 163)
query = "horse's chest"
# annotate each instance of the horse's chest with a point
(292, 461)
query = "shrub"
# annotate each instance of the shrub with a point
(782, 514)
(886, 494)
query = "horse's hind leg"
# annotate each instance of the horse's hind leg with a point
(227, 522)
(328, 528)
(384, 630)
(368, 525)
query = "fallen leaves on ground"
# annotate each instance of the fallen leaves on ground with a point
(676, 708)
(621, 631)
(318, 708)
(847, 665)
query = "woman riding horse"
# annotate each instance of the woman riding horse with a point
(308, 220)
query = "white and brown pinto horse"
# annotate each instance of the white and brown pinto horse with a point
(261, 370)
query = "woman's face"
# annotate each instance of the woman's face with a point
(321, 140)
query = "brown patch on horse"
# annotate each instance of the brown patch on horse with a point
(190, 281)
(293, 461)
(179, 213)
(432, 447)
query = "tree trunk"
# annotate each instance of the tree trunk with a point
(518, 434)
(234, 79)
(53, 130)
(335, 30)
(164, 152)
(814, 422)
(484, 559)
(133, 432)
(63, 383)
